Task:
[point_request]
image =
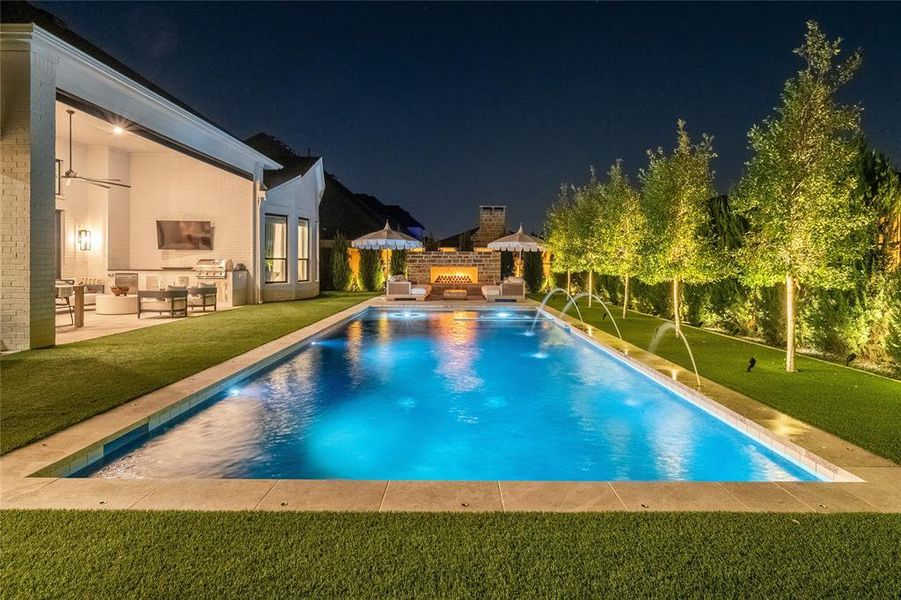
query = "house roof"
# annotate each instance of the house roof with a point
(14, 11)
(293, 164)
(355, 215)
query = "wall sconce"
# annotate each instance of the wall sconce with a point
(84, 239)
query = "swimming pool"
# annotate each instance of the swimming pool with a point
(449, 395)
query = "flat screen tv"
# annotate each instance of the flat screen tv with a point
(184, 235)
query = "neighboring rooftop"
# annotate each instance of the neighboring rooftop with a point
(293, 164)
(358, 214)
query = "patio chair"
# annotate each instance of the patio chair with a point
(512, 289)
(203, 297)
(173, 301)
(64, 291)
(402, 289)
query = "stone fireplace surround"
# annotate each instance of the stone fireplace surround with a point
(421, 266)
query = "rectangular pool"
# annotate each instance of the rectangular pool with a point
(440, 395)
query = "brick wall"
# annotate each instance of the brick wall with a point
(27, 100)
(419, 264)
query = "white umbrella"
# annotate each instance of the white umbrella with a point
(518, 242)
(386, 239)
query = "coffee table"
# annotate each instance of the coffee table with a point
(108, 304)
(455, 294)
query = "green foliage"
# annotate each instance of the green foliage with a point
(533, 274)
(836, 321)
(565, 235)
(652, 298)
(675, 190)
(618, 225)
(797, 191)
(893, 339)
(769, 309)
(609, 287)
(341, 274)
(371, 270)
(398, 264)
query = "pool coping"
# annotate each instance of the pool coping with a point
(879, 490)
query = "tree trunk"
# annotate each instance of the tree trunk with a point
(626, 295)
(789, 323)
(677, 317)
(590, 286)
(569, 287)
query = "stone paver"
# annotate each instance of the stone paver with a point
(454, 496)
(827, 497)
(324, 495)
(206, 494)
(767, 497)
(559, 496)
(676, 496)
(88, 494)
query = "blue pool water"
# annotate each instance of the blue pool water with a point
(439, 395)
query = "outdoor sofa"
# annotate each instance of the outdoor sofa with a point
(399, 288)
(173, 301)
(512, 289)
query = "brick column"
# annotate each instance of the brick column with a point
(27, 135)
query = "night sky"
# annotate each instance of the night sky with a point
(441, 107)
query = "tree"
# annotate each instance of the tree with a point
(340, 263)
(619, 228)
(370, 270)
(398, 262)
(561, 238)
(532, 272)
(675, 190)
(797, 189)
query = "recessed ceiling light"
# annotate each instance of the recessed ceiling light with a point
(118, 130)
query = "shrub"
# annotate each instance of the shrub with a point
(893, 316)
(652, 298)
(532, 271)
(340, 264)
(837, 322)
(398, 264)
(769, 311)
(370, 270)
(609, 287)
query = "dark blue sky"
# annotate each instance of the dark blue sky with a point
(441, 107)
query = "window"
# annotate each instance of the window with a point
(276, 249)
(303, 249)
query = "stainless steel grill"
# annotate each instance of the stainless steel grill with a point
(212, 268)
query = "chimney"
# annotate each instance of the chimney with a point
(492, 225)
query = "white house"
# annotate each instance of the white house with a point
(189, 192)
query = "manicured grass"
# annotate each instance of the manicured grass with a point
(45, 391)
(862, 408)
(279, 555)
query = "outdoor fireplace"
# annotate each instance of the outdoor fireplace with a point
(454, 274)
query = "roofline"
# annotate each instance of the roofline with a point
(13, 33)
(300, 176)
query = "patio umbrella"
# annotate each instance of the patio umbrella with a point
(518, 242)
(386, 239)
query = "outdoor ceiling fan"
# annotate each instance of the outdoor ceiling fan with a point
(70, 175)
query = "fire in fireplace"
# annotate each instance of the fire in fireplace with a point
(454, 275)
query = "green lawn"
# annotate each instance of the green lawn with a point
(862, 408)
(45, 391)
(279, 555)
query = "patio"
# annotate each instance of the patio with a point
(100, 325)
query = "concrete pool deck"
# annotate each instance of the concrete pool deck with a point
(68, 450)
